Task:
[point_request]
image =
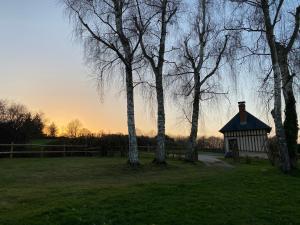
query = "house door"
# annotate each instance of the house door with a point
(233, 147)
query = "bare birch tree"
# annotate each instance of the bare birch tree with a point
(263, 17)
(107, 30)
(288, 48)
(200, 56)
(155, 16)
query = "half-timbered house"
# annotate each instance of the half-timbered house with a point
(245, 133)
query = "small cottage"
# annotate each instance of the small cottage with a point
(245, 133)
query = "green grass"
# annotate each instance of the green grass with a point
(105, 191)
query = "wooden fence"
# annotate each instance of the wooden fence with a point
(20, 150)
(34, 150)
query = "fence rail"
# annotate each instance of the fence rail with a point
(11, 150)
(37, 145)
(35, 150)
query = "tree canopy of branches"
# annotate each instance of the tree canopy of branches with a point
(108, 32)
(18, 125)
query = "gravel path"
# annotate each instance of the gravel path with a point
(211, 160)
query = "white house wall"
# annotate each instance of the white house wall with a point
(248, 141)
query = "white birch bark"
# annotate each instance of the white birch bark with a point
(291, 120)
(190, 155)
(133, 156)
(160, 157)
(276, 112)
(133, 150)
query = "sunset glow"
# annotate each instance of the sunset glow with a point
(42, 67)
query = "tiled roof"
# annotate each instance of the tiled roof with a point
(252, 124)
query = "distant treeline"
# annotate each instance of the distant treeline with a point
(110, 141)
(17, 124)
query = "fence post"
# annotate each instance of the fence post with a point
(64, 150)
(85, 149)
(42, 152)
(11, 150)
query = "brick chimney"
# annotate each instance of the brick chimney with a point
(242, 112)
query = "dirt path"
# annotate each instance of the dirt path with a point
(211, 160)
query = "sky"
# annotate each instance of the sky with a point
(42, 66)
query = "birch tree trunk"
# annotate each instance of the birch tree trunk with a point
(279, 129)
(276, 112)
(133, 157)
(160, 157)
(190, 155)
(291, 120)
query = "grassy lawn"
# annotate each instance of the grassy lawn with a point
(105, 191)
